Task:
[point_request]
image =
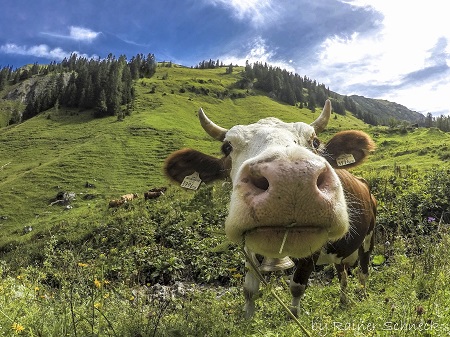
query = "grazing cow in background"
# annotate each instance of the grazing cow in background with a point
(129, 197)
(123, 199)
(116, 203)
(292, 196)
(154, 193)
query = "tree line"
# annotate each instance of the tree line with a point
(441, 122)
(104, 85)
(211, 64)
(350, 105)
(294, 89)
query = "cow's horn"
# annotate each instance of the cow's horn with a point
(321, 122)
(214, 130)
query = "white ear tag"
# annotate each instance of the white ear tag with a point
(345, 159)
(192, 182)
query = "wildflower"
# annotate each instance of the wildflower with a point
(97, 305)
(18, 328)
(131, 298)
(81, 264)
(97, 284)
(36, 289)
(106, 295)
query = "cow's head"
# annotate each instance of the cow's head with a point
(287, 198)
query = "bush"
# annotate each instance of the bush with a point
(410, 203)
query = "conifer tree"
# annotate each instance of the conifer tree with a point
(101, 109)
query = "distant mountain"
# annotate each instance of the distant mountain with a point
(383, 110)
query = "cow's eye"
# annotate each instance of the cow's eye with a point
(227, 148)
(315, 143)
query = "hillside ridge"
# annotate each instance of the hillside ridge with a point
(28, 85)
(384, 109)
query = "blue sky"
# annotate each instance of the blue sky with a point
(395, 50)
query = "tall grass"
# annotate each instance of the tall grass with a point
(164, 268)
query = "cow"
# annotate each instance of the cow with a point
(114, 203)
(291, 196)
(129, 197)
(154, 193)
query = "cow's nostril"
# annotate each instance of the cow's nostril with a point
(322, 180)
(260, 182)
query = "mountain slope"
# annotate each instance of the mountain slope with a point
(36, 83)
(384, 110)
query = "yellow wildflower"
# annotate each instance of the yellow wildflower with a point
(81, 264)
(97, 283)
(18, 328)
(97, 305)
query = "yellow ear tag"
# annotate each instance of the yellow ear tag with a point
(191, 182)
(345, 159)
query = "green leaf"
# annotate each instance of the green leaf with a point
(378, 260)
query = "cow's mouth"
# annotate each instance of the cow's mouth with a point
(279, 241)
(294, 228)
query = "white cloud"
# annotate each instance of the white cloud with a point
(413, 36)
(77, 34)
(424, 97)
(256, 11)
(41, 50)
(82, 34)
(257, 51)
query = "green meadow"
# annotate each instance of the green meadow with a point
(164, 267)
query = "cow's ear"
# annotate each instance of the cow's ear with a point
(185, 162)
(348, 149)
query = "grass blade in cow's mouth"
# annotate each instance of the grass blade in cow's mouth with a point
(280, 241)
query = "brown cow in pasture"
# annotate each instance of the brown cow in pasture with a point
(292, 196)
(116, 203)
(154, 193)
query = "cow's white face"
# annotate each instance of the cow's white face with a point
(286, 199)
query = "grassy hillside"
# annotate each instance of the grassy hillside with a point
(62, 150)
(420, 149)
(89, 270)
